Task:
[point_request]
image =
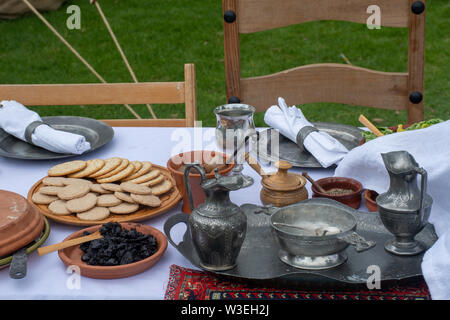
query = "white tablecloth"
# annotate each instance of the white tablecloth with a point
(47, 277)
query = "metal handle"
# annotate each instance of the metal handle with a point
(423, 187)
(174, 220)
(267, 209)
(187, 185)
(18, 266)
(357, 241)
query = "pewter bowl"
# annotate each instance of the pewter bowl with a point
(313, 236)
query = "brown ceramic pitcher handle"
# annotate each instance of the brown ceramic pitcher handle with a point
(187, 185)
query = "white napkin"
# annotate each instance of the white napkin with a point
(430, 147)
(289, 120)
(15, 118)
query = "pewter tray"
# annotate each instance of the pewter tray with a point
(96, 132)
(258, 260)
(289, 151)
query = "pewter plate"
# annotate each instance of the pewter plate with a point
(96, 132)
(258, 260)
(289, 151)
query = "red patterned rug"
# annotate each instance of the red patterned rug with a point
(189, 284)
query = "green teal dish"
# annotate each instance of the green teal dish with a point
(33, 246)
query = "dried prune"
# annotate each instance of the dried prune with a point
(118, 246)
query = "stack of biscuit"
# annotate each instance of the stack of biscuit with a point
(94, 189)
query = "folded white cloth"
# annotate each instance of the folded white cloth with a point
(289, 120)
(15, 118)
(430, 147)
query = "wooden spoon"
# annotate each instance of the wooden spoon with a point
(254, 164)
(314, 183)
(369, 125)
(69, 243)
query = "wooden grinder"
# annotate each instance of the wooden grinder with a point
(282, 188)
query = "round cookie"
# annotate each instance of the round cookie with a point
(161, 188)
(146, 200)
(108, 200)
(54, 181)
(111, 187)
(66, 168)
(69, 181)
(154, 182)
(124, 197)
(95, 187)
(82, 204)
(118, 176)
(135, 188)
(94, 214)
(50, 190)
(124, 208)
(146, 167)
(93, 166)
(110, 164)
(137, 166)
(122, 166)
(58, 207)
(40, 198)
(152, 174)
(73, 191)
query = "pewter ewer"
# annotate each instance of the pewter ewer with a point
(404, 209)
(217, 226)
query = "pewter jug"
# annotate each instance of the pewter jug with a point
(217, 226)
(404, 209)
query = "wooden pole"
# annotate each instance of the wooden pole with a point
(416, 62)
(36, 12)
(231, 46)
(119, 48)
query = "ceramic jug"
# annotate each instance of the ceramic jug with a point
(404, 209)
(217, 226)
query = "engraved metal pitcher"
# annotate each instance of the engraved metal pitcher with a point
(404, 209)
(217, 226)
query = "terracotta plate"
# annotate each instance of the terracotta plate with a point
(168, 201)
(72, 255)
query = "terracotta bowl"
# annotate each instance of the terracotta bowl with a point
(31, 247)
(72, 255)
(20, 222)
(352, 199)
(200, 156)
(370, 196)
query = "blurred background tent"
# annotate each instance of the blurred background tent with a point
(13, 9)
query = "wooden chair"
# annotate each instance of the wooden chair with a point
(326, 82)
(114, 93)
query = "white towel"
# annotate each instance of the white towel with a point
(15, 118)
(430, 147)
(289, 120)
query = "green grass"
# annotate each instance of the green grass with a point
(160, 36)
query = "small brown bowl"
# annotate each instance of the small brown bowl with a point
(351, 199)
(371, 197)
(201, 156)
(72, 255)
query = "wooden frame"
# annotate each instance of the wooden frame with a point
(114, 93)
(327, 82)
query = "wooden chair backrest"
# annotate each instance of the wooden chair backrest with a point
(326, 82)
(114, 93)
